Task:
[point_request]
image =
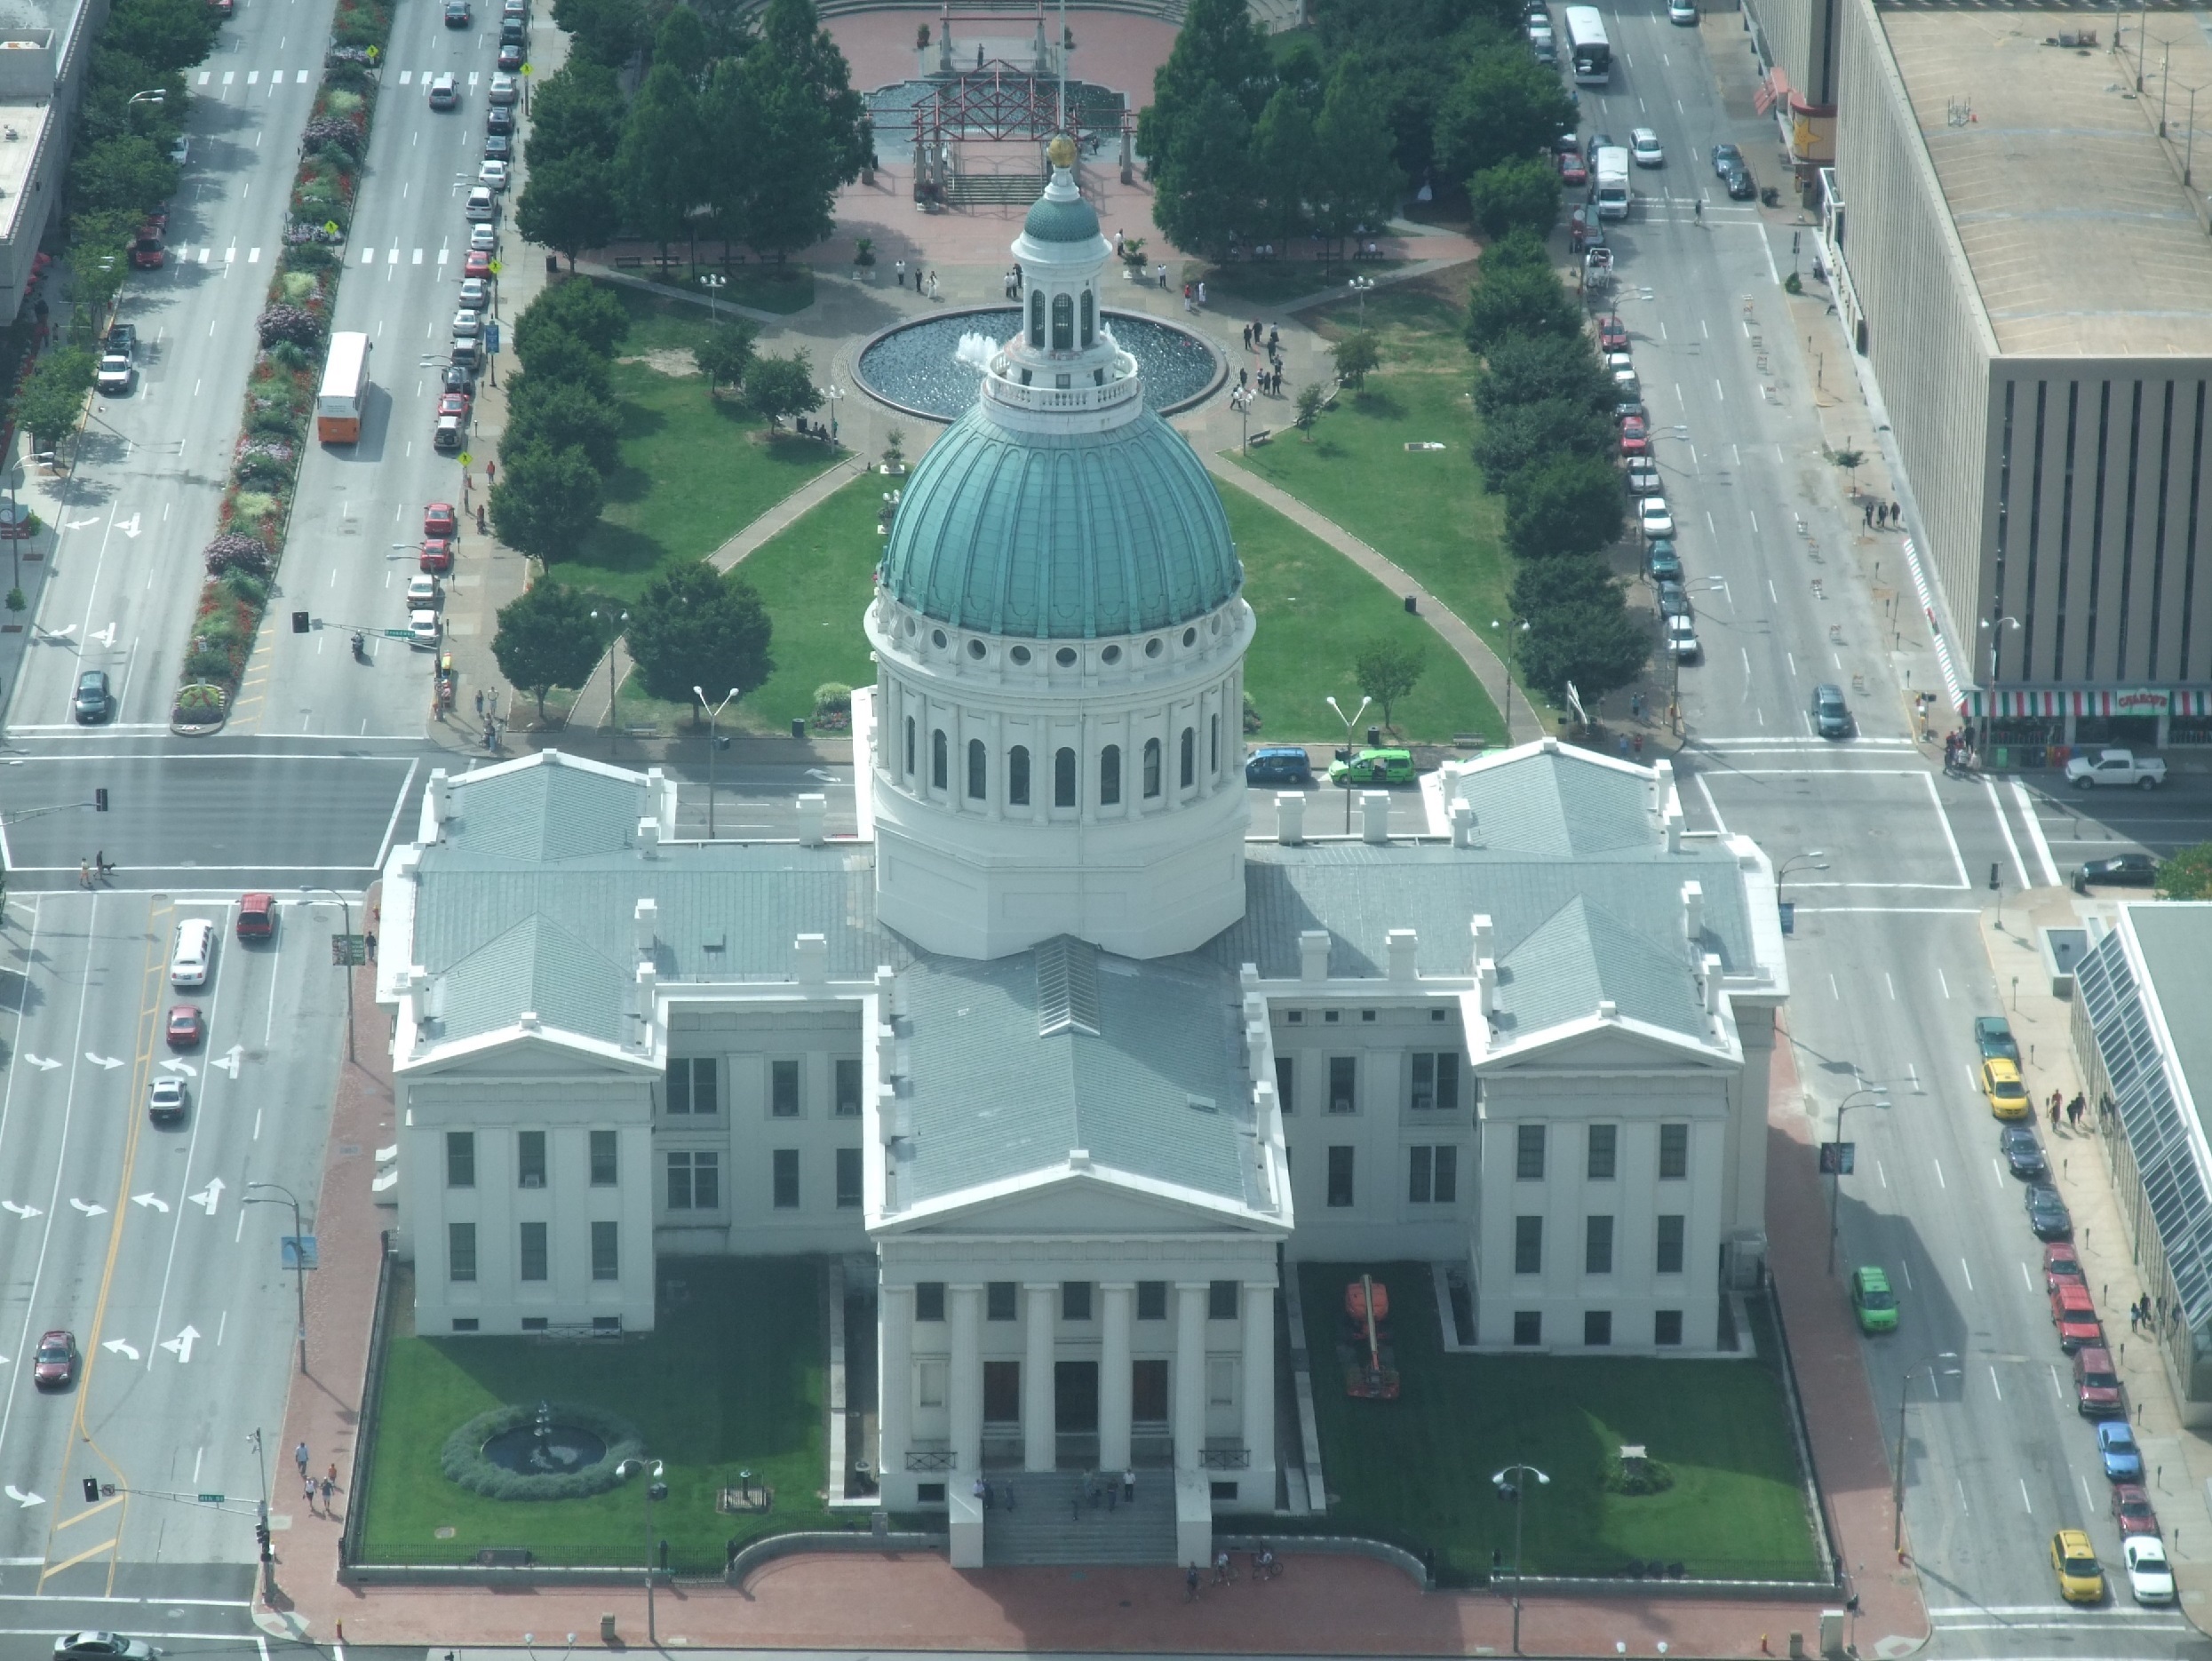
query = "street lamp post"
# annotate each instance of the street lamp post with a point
(1812, 859)
(347, 907)
(1995, 628)
(713, 744)
(1240, 400)
(654, 1490)
(1359, 286)
(154, 97)
(712, 281)
(1350, 721)
(1872, 1093)
(299, 1253)
(1513, 644)
(833, 395)
(1511, 1492)
(615, 622)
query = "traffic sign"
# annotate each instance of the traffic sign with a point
(1838, 1159)
(349, 950)
(397, 635)
(466, 457)
(210, 1499)
(298, 1251)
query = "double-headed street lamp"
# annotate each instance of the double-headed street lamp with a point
(614, 621)
(1350, 721)
(347, 964)
(654, 1490)
(833, 395)
(714, 710)
(1510, 1489)
(1872, 1093)
(1359, 286)
(299, 1252)
(1513, 644)
(1812, 859)
(1240, 400)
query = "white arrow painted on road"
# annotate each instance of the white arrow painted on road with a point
(228, 1059)
(209, 1194)
(79, 524)
(25, 1211)
(89, 1211)
(816, 773)
(121, 1349)
(23, 1499)
(130, 526)
(106, 635)
(40, 1062)
(186, 1068)
(63, 633)
(182, 1345)
(154, 1200)
(101, 1061)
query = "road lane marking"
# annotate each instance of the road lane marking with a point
(299, 78)
(2035, 832)
(1969, 1272)
(2024, 1498)
(1943, 983)
(2028, 1281)
(2004, 825)
(109, 1503)
(82, 1557)
(1995, 1386)
(1941, 1184)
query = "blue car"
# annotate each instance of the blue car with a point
(1278, 764)
(2116, 1444)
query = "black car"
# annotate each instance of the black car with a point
(2022, 1152)
(1674, 600)
(498, 146)
(2139, 871)
(511, 54)
(457, 14)
(2047, 1212)
(458, 378)
(513, 29)
(94, 699)
(123, 337)
(1740, 183)
(499, 118)
(1278, 764)
(1993, 1037)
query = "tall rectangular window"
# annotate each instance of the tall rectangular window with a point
(784, 1089)
(1528, 1245)
(1002, 1300)
(1221, 1300)
(1666, 1327)
(1667, 1259)
(1604, 1148)
(1528, 1153)
(1597, 1328)
(1075, 1300)
(1421, 1174)
(1597, 1245)
(2127, 529)
(460, 1251)
(1528, 1327)
(529, 1159)
(460, 1159)
(693, 1086)
(1673, 1152)
(848, 1178)
(2035, 532)
(533, 1258)
(2065, 531)
(603, 1169)
(2189, 548)
(695, 1181)
(1343, 1079)
(1423, 1092)
(1286, 1082)
(2096, 529)
(1339, 1175)
(1151, 1300)
(606, 1251)
(1447, 1174)
(848, 1087)
(929, 1301)
(784, 1177)
(2158, 527)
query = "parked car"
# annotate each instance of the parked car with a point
(1992, 1035)
(448, 435)
(1374, 766)
(2023, 1154)
(511, 54)
(1830, 715)
(467, 324)
(1681, 640)
(2116, 1447)
(438, 519)
(1674, 600)
(2047, 1212)
(2131, 1510)
(147, 252)
(2061, 1262)
(1642, 478)
(436, 556)
(1278, 764)
(2133, 870)
(456, 378)
(2115, 766)
(166, 1099)
(1872, 1301)
(498, 146)
(185, 1027)
(484, 237)
(480, 205)
(1572, 171)
(1660, 562)
(2096, 1393)
(94, 699)
(101, 1647)
(455, 404)
(2150, 1576)
(498, 118)
(53, 1364)
(422, 590)
(2002, 1087)
(115, 374)
(477, 263)
(1654, 518)
(1636, 439)
(2080, 1577)
(422, 628)
(1612, 335)
(1725, 156)
(491, 175)
(504, 90)
(257, 916)
(1740, 184)
(2073, 1312)
(1643, 148)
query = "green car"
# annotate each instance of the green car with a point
(1875, 1303)
(1374, 766)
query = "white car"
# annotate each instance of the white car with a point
(1681, 640)
(493, 174)
(475, 293)
(1654, 518)
(1682, 11)
(114, 373)
(421, 592)
(482, 204)
(504, 89)
(1644, 145)
(180, 151)
(466, 324)
(2148, 1574)
(422, 628)
(444, 92)
(165, 1102)
(1617, 362)
(483, 239)
(101, 1647)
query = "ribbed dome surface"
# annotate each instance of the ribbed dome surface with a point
(1054, 537)
(1051, 221)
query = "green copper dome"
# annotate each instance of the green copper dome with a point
(1061, 536)
(1051, 221)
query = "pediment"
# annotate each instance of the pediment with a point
(1606, 1046)
(512, 1053)
(1100, 1202)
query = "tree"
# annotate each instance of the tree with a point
(1504, 105)
(1521, 436)
(1359, 185)
(661, 162)
(100, 253)
(1595, 643)
(1544, 585)
(54, 397)
(1284, 161)
(1522, 370)
(576, 112)
(610, 32)
(2188, 875)
(554, 354)
(792, 32)
(725, 357)
(694, 626)
(167, 33)
(568, 204)
(1203, 196)
(592, 314)
(1388, 668)
(765, 109)
(1520, 194)
(547, 638)
(126, 173)
(545, 499)
(783, 386)
(1356, 355)
(1311, 400)
(1571, 506)
(681, 43)
(560, 415)
(1519, 302)
(1218, 50)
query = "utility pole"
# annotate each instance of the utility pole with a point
(713, 743)
(347, 907)
(1515, 1495)
(299, 1256)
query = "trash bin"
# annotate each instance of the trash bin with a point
(553, 265)
(798, 727)
(1412, 605)
(607, 1627)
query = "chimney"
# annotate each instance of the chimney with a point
(440, 798)
(1078, 1159)
(1607, 1010)
(1662, 784)
(1462, 824)
(1712, 985)
(528, 1020)
(1290, 817)
(1549, 746)
(649, 986)
(1404, 948)
(1313, 954)
(1693, 914)
(1486, 986)
(1263, 1101)
(812, 811)
(810, 955)
(649, 838)
(1485, 937)
(660, 796)
(1671, 830)
(645, 926)
(1374, 817)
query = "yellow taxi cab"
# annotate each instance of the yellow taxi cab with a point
(2080, 1578)
(2001, 1083)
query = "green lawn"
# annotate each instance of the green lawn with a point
(816, 579)
(1275, 282)
(1425, 510)
(1417, 1470)
(780, 289)
(733, 1378)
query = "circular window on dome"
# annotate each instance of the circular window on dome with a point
(975, 650)
(1152, 648)
(1064, 657)
(1112, 654)
(936, 638)
(1190, 636)
(1021, 655)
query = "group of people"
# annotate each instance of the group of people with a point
(1193, 294)
(1264, 1567)
(326, 1486)
(2143, 1313)
(1882, 515)
(920, 279)
(1013, 283)
(2073, 1110)
(1958, 751)
(99, 866)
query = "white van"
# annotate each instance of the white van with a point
(195, 955)
(480, 204)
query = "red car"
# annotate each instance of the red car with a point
(55, 1364)
(2131, 1510)
(2097, 1385)
(1634, 439)
(1612, 335)
(147, 253)
(454, 404)
(478, 264)
(1572, 171)
(2073, 1312)
(185, 1028)
(437, 555)
(440, 521)
(257, 916)
(2060, 1263)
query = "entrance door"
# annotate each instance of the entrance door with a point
(1075, 1396)
(1002, 1392)
(1147, 1393)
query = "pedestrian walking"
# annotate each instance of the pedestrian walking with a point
(1201, 292)
(309, 1486)
(1191, 1584)
(1638, 744)
(1117, 244)
(933, 286)
(1220, 1568)
(83, 874)
(299, 1458)
(1129, 1485)
(328, 1485)
(329, 1477)
(1867, 514)
(1162, 269)
(1896, 514)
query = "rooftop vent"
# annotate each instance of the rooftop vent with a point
(1067, 987)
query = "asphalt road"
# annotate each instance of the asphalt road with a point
(132, 519)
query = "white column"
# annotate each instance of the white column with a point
(965, 1395)
(1041, 1446)
(1114, 1381)
(895, 1380)
(1259, 1314)
(1190, 1380)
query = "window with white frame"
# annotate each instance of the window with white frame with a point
(695, 1181)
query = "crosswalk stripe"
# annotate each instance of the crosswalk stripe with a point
(368, 256)
(205, 76)
(302, 79)
(252, 76)
(407, 77)
(472, 77)
(253, 256)
(418, 255)
(229, 75)
(203, 258)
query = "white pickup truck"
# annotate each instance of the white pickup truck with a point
(2115, 766)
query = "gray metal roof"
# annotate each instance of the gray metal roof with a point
(1566, 805)
(1158, 1091)
(1581, 955)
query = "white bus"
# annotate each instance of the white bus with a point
(1587, 49)
(345, 384)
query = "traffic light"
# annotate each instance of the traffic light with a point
(261, 1534)
(92, 1490)
(100, 799)
(299, 623)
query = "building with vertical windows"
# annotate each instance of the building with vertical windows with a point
(1073, 1061)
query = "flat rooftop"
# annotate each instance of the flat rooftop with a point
(2082, 240)
(27, 123)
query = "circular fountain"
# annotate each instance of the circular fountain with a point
(932, 367)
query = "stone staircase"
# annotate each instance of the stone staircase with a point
(995, 190)
(1050, 1523)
